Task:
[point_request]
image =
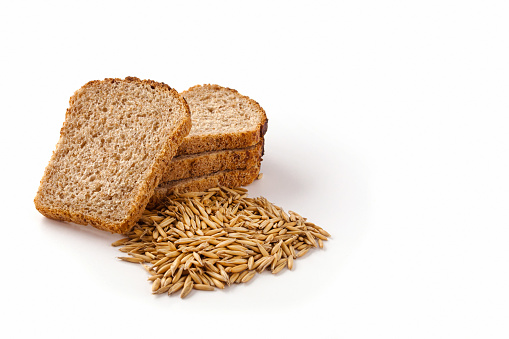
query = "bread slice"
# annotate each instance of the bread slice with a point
(230, 178)
(116, 142)
(222, 119)
(196, 165)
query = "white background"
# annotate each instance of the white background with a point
(388, 126)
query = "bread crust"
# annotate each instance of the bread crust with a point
(205, 143)
(196, 165)
(232, 178)
(144, 191)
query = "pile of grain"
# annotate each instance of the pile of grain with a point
(203, 240)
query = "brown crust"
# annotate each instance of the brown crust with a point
(196, 165)
(233, 178)
(144, 191)
(199, 144)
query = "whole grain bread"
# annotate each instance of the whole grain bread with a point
(196, 165)
(229, 178)
(116, 142)
(222, 119)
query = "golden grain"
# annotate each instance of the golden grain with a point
(188, 286)
(172, 254)
(203, 287)
(154, 277)
(223, 273)
(163, 289)
(206, 279)
(324, 232)
(131, 259)
(276, 248)
(319, 235)
(239, 268)
(234, 253)
(216, 276)
(290, 262)
(233, 262)
(120, 242)
(141, 256)
(195, 277)
(267, 261)
(156, 284)
(301, 253)
(209, 254)
(211, 267)
(150, 255)
(217, 282)
(198, 258)
(278, 268)
(225, 243)
(203, 240)
(263, 251)
(248, 276)
(177, 286)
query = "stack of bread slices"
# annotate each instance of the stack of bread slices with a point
(126, 143)
(224, 147)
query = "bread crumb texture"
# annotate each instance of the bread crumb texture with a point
(117, 139)
(218, 110)
(222, 119)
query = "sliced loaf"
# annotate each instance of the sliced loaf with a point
(222, 119)
(116, 142)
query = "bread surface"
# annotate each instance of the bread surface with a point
(222, 119)
(115, 144)
(231, 178)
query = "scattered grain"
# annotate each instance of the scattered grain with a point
(204, 240)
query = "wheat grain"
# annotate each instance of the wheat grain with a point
(290, 262)
(301, 253)
(278, 268)
(239, 268)
(177, 276)
(218, 283)
(154, 277)
(133, 260)
(203, 287)
(176, 287)
(141, 256)
(223, 273)
(248, 276)
(225, 243)
(156, 285)
(120, 242)
(163, 289)
(216, 276)
(203, 240)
